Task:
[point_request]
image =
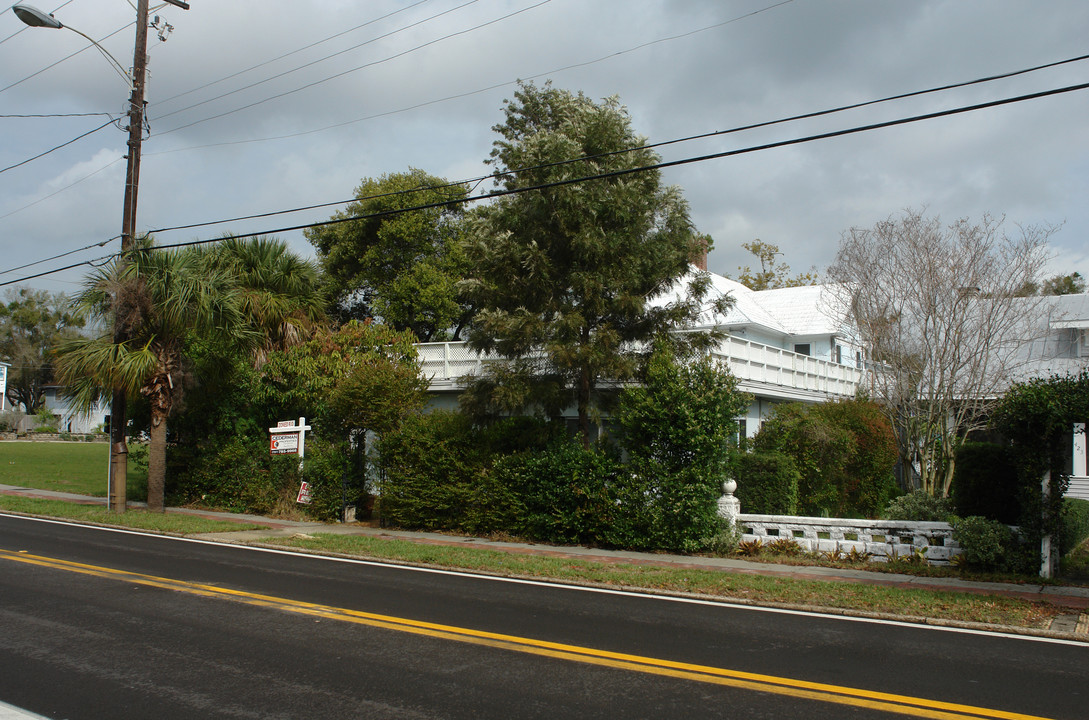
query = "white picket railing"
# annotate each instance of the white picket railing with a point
(759, 368)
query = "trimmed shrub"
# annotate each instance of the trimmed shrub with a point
(985, 482)
(429, 467)
(921, 506)
(1075, 524)
(567, 494)
(986, 544)
(767, 483)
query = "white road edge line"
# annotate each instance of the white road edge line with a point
(564, 586)
(10, 712)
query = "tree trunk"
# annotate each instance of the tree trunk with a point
(156, 463)
(584, 408)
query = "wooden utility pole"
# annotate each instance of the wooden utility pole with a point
(119, 450)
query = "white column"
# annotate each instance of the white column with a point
(729, 507)
(1079, 450)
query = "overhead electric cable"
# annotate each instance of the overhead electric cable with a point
(9, 37)
(58, 147)
(701, 136)
(63, 254)
(657, 166)
(59, 115)
(606, 57)
(289, 54)
(356, 69)
(66, 187)
(97, 262)
(612, 174)
(66, 57)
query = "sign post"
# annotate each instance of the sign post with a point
(287, 438)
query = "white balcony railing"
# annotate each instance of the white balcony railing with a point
(760, 369)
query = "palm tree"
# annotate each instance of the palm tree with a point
(278, 290)
(250, 298)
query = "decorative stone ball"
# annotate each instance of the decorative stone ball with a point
(729, 486)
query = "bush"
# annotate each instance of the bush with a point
(429, 467)
(676, 428)
(767, 483)
(327, 468)
(845, 452)
(985, 482)
(920, 506)
(238, 475)
(987, 544)
(1075, 524)
(567, 494)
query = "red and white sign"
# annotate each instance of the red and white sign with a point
(304, 494)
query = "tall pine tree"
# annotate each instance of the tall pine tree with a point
(563, 277)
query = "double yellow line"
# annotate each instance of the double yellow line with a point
(887, 702)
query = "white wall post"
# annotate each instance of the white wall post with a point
(729, 507)
(1079, 463)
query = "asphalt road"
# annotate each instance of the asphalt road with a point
(98, 623)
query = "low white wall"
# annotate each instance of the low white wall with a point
(883, 539)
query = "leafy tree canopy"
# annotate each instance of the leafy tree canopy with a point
(32, 324)
(401, 267)
(564, 276)
(772, 274)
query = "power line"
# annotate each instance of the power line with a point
(299, 50)
(649, 146)
(66, 187)
(58, 147)
(9, 37)
(63, 254)
(356, 69)
(656, 166)
(66, 57)
(602, 176)
(59, 115)
(478, 91)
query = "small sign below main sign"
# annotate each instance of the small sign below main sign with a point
(304, 494)
(284, 444)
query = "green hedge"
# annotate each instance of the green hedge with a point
(1075, 524)
(767, 483)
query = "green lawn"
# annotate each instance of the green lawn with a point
(76, 467)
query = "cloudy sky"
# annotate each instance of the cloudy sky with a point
(262, 106)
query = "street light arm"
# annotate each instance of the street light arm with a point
(34, 17)
(105, 53)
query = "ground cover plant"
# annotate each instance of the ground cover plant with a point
(66, 467)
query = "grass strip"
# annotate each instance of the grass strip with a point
(915, 602)
(74, 467)
(140, 519)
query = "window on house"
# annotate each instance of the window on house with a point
(837, 353)
(802, 348)
(858, 358)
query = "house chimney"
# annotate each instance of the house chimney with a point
(699, 259)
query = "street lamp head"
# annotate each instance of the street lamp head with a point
(34, 17)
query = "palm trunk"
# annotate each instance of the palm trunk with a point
(156, 463)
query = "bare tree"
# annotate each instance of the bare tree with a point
(946, 324)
